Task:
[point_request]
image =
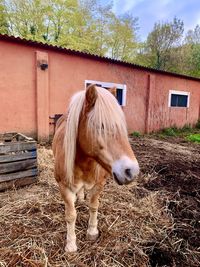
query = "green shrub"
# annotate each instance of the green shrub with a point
(186, 128)
(194, 138)
(136, 134)
(170, 131)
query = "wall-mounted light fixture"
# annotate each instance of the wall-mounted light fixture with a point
(43, 64)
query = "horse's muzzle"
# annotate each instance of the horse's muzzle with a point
(116, 179)
(125, 170)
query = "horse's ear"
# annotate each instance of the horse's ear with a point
(91, 96)
(113, 91)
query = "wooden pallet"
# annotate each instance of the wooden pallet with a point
(18, 160)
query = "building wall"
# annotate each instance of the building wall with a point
(17, 89)
(68, 74)
(162, 116)
(29, 95)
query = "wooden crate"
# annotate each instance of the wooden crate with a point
(18, 160)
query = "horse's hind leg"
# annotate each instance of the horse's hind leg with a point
(69, 198)
(92, 231)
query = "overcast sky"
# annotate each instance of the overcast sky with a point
(151, 11)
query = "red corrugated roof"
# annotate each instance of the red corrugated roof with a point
(88, 55)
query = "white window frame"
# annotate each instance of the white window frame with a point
(110, 85)
(171, 92)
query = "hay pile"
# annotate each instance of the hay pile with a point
(134, 224)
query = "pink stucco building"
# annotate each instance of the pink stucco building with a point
(37, 81)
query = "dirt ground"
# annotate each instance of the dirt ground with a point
(174, 165)
(154, 222)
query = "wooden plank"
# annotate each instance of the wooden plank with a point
(11, 136)
(17, 146)
(21, 136)
(18, 166)
(18, 175)
(17, 183)
(7, 137)
(18, 156)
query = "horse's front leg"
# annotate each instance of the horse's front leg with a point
(81, 195)
(69, 198)
(92, 231)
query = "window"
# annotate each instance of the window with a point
(178, 99)
(121, 89)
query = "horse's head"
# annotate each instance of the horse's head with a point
(102, 134)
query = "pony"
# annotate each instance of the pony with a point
(89, 146)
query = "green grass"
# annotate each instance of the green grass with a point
(188, 133)
(174, 131)
(194, 138)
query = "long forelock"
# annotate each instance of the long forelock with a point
(106, 119)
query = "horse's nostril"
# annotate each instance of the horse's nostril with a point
(128, 173)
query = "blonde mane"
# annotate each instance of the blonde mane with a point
(105, 119)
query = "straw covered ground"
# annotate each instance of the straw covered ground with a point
(153, 222)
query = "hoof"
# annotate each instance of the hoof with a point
(70, 248)
(92, 237)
